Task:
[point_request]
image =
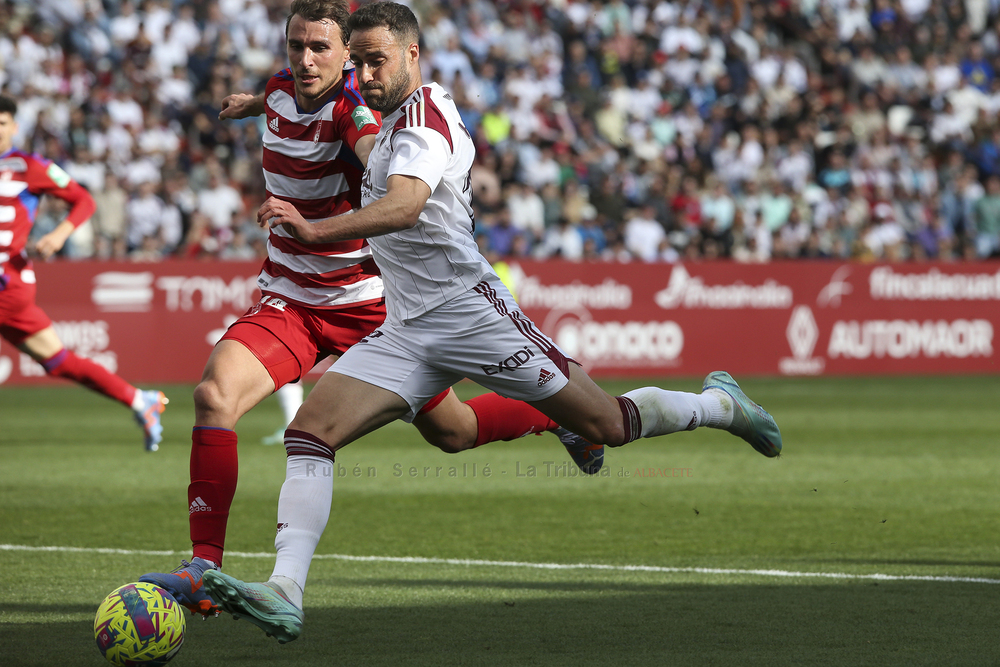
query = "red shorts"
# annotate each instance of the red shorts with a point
(289, 340)
(20, 318)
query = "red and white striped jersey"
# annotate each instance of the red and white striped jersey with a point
(309, 161)
(437, 259)
(24, 178)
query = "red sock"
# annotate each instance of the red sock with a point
(67, 365)
(214, 471)
(506, 419)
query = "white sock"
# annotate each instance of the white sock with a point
(290, 398)
(303, 510)
(663, 411)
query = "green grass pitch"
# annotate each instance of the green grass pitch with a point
(880, 476)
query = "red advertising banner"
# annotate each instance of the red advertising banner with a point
(149, 323)
(784, 318)
(158, 322)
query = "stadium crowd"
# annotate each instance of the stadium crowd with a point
(624, 130)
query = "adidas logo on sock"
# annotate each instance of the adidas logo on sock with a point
(544, 376)
(693, 424)
(273, 124)
(281, 527)
(199, 505)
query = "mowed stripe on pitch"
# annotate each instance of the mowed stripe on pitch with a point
(417, 560)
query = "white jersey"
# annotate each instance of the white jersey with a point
(438, 259)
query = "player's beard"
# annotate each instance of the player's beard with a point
(392, 94)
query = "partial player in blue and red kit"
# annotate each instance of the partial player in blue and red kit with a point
(24, 179)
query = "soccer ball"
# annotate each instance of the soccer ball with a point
(139, 624)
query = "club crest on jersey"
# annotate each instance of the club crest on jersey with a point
(363, 116)
(511, 363)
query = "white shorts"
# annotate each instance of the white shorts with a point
(481, 335)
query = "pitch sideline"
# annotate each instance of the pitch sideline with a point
(417, 560)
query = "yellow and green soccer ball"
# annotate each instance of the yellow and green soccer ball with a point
(139, 624)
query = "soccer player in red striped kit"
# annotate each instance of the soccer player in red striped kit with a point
(24, 180)
(317, 300)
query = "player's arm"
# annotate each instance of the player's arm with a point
(58, 183)
(53, 242)
(398, 210)
(363, 148)
(241, 105)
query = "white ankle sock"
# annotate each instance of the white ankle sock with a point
(303, 510)
(663, 411)
(722, 408)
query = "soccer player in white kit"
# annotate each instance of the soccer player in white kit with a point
(448, 315)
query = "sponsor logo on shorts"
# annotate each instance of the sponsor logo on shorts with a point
(511, 363)
(544, 376)
(372, 335)
(274, 302)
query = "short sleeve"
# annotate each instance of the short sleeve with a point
(421, 152)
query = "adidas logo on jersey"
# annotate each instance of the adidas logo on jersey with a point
(544, 376)
(273, 124)
(199, 505)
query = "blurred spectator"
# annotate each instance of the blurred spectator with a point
(221, 203)
(644, 236)
(987, 213)
(562, 240)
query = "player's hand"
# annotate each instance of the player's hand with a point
(240, 105)
(274, 212)
(53, 242)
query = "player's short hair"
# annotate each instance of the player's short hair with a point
(338, 11)
(397, 18)
(8, 105)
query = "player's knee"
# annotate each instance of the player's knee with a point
(210, 402)
(311, 418)
(608, 431)
(450, 443)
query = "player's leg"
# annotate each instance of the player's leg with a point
(650, 411)
(454, 426)
(304, 502)
(537, 371)
(233, 381)
(338, 410)
(43, 345)
(267, 347)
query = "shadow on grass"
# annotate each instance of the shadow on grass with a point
(897, 623)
